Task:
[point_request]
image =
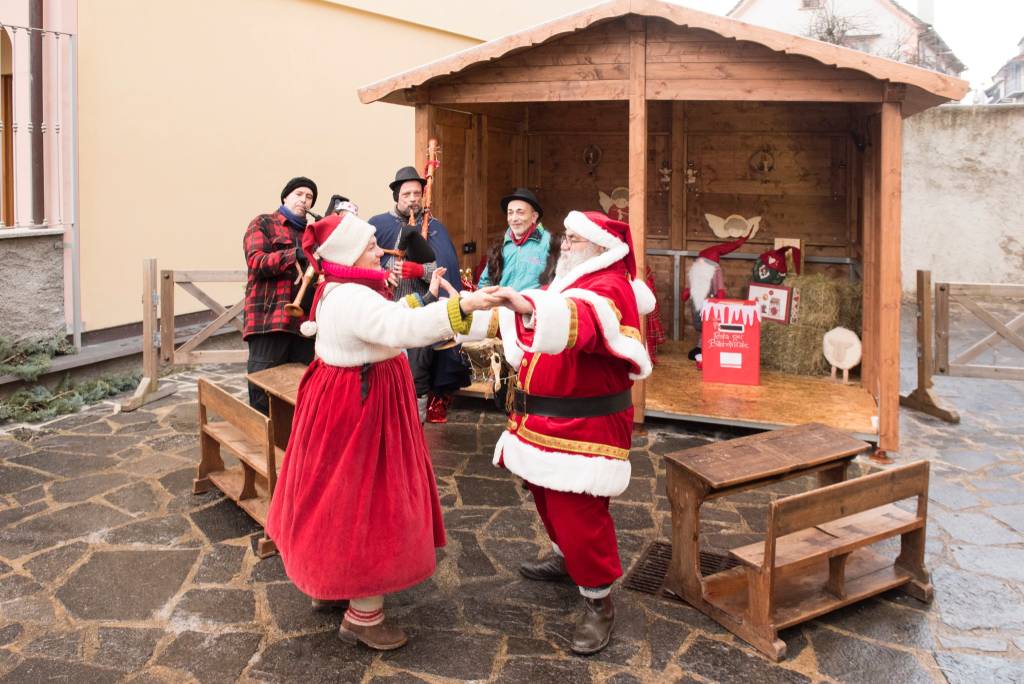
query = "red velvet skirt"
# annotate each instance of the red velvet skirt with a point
(355, 512)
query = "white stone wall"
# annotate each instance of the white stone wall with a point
(963, 194)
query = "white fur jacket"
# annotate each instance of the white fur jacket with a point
(356, 325)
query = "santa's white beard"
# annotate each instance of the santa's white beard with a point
(567, 261)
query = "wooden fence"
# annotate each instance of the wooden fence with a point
(158, 329)
(937, 360)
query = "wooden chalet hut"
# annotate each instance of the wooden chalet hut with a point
(695, 114)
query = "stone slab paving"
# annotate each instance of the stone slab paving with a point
(111, 570)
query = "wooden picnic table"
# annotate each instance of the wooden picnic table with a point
(707, 472)
(281, 383)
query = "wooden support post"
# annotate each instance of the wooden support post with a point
(424, 132)
(869, 240)
(148, 389)
(889, 287)
(922, 398)
(677, 236)
(941, 329)
(167, 316)
(638, 169)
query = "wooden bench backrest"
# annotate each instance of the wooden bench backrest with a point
(817, 506)
(251, 422)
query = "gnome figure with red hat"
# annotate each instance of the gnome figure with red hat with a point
(705, 281)
(355, 513)
(577, 347)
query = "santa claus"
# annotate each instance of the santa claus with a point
(355, 513)
(578, 349)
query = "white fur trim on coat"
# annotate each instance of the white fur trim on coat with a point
(578, 222)
(551, 320)
(645, 299)
(509, 338)
(623, 346)
(347, 241)
(563, 472)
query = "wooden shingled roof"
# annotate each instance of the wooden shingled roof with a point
(925, 88)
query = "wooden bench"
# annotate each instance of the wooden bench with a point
(249, 436)
(815, 559)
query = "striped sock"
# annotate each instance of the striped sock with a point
(364, 618)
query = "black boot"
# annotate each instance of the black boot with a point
(550, 568)
(593, 626)
(692, 355)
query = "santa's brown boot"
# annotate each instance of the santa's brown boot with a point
(593, 626)
(325, 605)
(550, 568)
(381, 637)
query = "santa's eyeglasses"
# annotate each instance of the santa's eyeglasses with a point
(570, 240)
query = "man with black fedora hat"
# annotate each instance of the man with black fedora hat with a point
(437, 373)
(274, 260)
(526, 256)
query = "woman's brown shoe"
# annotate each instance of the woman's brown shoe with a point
(380, 637)
(325, 605)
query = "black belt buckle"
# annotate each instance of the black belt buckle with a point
(519, 401)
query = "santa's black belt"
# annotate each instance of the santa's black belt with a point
(571, 407)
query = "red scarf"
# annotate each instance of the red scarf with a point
(373, 278)
(526, 236)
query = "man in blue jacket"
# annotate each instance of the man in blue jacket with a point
(436, 373)
(525, 253)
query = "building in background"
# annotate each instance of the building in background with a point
(880, 27)
(1008, 83)
(160, 128)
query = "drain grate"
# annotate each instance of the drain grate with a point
(648, 574)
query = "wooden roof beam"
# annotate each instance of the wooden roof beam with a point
(544, 91)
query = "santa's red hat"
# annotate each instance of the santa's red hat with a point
(615, 237)
(715, 252)
(337, 238)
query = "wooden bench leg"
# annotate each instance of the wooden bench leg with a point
(210, 461)
(911, 559)
(683, 577)
(834, 475)
(760, 621)
(266, 547)
(248, 482)
(837, 576)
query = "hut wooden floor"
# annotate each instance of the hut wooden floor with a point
(675, 390)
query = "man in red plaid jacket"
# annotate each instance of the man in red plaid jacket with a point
(274, 258)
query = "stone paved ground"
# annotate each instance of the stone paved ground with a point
(111, 570)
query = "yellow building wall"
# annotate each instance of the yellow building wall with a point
(194, 113)
(481, 19)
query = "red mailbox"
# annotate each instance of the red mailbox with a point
(731, 341)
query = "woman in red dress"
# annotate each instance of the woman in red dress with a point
(355, 513)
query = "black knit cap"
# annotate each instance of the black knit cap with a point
(298, 182)
(404, 174)
(525, 195)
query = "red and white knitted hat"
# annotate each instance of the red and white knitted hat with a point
(615, 237)
(337, 238)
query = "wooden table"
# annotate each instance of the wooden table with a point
(281, 383)
(714, 470)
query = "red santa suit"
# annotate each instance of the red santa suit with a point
(356, 512)
(582, 345)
